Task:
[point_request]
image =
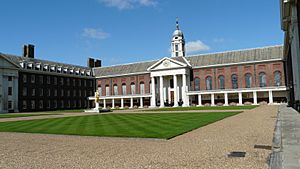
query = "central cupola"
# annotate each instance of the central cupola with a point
(178, 42)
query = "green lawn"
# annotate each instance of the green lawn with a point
(203, 108)
(12, 115)
(155, 125)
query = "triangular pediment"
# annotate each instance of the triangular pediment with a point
(167, 63)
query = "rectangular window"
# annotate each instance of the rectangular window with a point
(74, 93)
(55, 104)
(41, 106)
(84, 83)
(32, 104)
(24, 105)
(79, 82)
(10, 78)
(68, 81)
(68, 93)
(55, 80)
(176, 53)
(32, 78)
(176, 47)
(9, 91)
(107, 93)
(62, 104)
(9, 105)
(33, 92)
(41, 79)
(48, 104)
(49, 92)
(79, 93)
(61, 81)
(48, 80)
(41, 91)
(24, 78)
(55, 92)
(62, 92)
(100, 91)
(24, 91)
(74, 83)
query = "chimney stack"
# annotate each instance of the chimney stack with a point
(91, 63)
(28, 51)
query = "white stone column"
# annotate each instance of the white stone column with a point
(122, 103)
(141, 103)
(131, 103)
(226, 99)
(184, 89)
(161, 91)
(104, 103)
(240, 98)
(255, 98)
(270, 97)
(113, 103)
(153, 99)
(212, 98)
(175, 91)
(199, 100)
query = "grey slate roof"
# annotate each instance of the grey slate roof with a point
(238, 56)
(17, 59)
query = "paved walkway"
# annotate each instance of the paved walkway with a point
(203, 148)
(45, 116)
(287, 140)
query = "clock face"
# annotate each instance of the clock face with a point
(166, 63)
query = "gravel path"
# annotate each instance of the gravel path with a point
(46, 116)
(203, 148)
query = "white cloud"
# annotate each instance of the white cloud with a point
(196, 46)
(128, 4)
(95, 33)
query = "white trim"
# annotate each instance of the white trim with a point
(120, 97)
(166, 58)
(243, 90)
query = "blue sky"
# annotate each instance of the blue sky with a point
(123, 31)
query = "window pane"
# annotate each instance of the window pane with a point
(221, 82)
(262, 79)
(248, 80)
(123, 89)
(132, 87)
(234, 81)
(142, 88)
(197, 84)
(208, 83)
(277, 78)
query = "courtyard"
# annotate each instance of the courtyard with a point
(175, 139)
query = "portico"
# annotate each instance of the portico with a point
(169, 83)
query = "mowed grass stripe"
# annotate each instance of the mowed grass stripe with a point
(119, 125)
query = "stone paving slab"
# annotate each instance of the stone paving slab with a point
(290, 128)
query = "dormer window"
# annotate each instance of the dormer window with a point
(22, 64)
(71, 71)
(59, 69)
(65, 70)
(88, 73)
(52, 69)
(29, 66)
(77, 72)
(38, 66)
(45, 68)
